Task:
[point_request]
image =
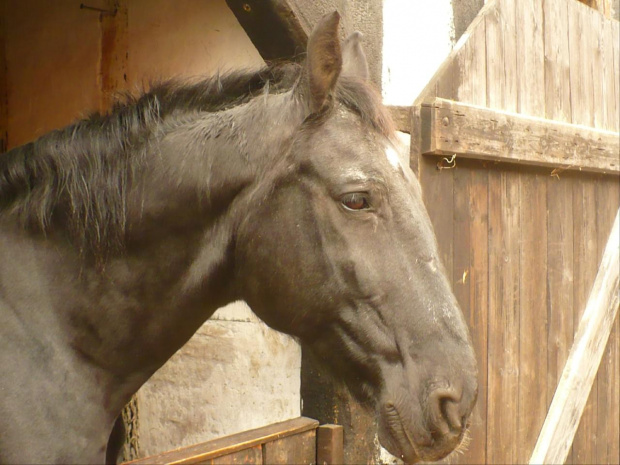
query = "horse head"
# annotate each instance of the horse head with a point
(340, 252)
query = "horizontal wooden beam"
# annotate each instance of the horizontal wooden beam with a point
(482, 133)
(272, 26)
(201, 453)
(401, 115)
(558, 431)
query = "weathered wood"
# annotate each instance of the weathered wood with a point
(209, 450)
(610, 76)
(329, 442)
(532, 400)
(300, 448)
(608, 377)
(470, 269)
(559, 200)
(475, 132)
(583, 361)
(504, 250)
(415, 147)
(250, 456)
(4, 103)
(272, 26)
(114, 46)
(401, 115)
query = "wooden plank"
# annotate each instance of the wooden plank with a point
(532, 403)
(533, 322)
(4, 102)
(230, 444)
(299, 448)
(559, 199)
(250, 456)
(329, 445)
(429, 90)
(415, 146)
(272, 26)
(610, 77)
(504, 305)
(596, 38)
(401, 115)
(475, 132)
(582, 102)
(615, 40)
(504, 261)
(580, 66)
(114, 47)
(438, 184)
(470, 268)
(584, 358)
(608, 408)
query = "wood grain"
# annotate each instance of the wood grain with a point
(114, 46)
(470, 269)
(560, 330)
(329, 442)
(608, 377)
(585, 268)
(4, 104)
(584, 358)
(227, 445)
(533, 225)
(299, 448)
(481, 133)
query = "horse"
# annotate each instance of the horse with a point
(286, 188)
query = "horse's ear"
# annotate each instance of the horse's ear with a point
(324, 61)
(354, 63)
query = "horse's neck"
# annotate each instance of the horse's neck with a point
(177, 267)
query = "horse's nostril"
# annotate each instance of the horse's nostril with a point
(444, 410)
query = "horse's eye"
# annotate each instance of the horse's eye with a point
(356, 201)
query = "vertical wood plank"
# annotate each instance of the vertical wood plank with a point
(559, 200)
(606, 116)
(580, 64)
(438, 185)
(532, 402)
(329, 445)
(582, 103)
(471, 240)
(610, 97)
(615, 40)
(504, 215)
(585, 267)
(608, 408)
(4, 104)
(597, 70)
(503, 332)
(114, 52)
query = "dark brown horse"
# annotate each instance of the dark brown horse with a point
(121, 234)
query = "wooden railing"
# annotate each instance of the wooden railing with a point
(299, 441)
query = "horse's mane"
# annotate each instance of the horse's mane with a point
(79, 176)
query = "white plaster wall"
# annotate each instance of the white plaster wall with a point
(234, 374)
(417, 37)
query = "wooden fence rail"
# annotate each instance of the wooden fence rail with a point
(300, 441)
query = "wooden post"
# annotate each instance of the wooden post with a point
(114, 52)
(329, 445)
(4, 103)
(558, 431)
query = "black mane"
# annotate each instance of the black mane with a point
(79, 176)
